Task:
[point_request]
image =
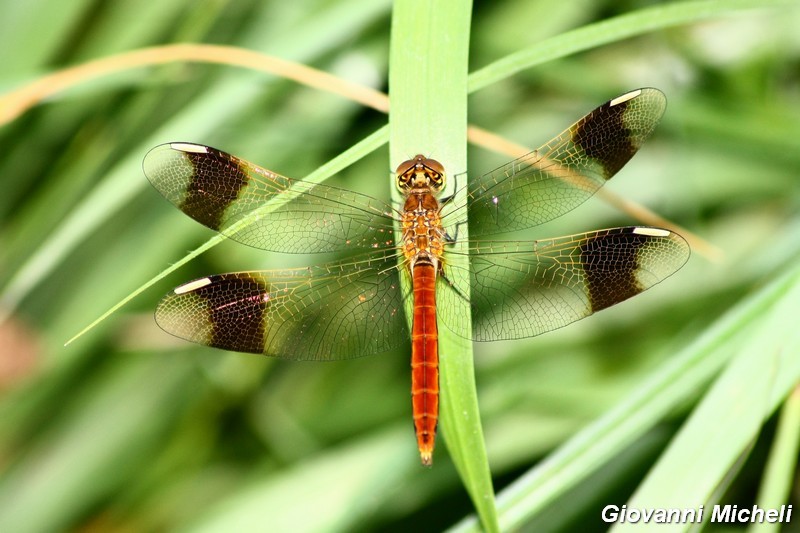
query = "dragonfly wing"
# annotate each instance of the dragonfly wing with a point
(566, 171)
(336, 311)
(523, 289)
(222, 192)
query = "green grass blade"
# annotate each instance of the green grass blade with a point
(330, 501)
(726, 423)
(95, 446)
(611, 30)
(777, 483)
(680, 379)
(429, 116)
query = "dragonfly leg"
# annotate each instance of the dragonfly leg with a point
(448, 199)
(452, 239)
(460, 294)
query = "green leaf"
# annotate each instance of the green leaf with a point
(330, 502)
(776, 486)
(610, 31)
(727, 421)
(428, 116)
(683, 377)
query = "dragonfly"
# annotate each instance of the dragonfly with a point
(412, 267)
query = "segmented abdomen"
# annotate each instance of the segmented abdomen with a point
(425, 359)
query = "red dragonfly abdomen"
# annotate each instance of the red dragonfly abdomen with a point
(425, 360)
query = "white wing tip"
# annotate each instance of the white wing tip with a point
(192, 286)
(624, 98)
(188, 147)
(651, 232)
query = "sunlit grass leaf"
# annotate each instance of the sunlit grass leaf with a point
(680, 379)
(727, 422)
(429, 115)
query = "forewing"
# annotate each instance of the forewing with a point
(566, 171)
(522, 289)
(336, 311)
(220, 191)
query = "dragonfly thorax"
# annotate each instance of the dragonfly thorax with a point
(423, 234)
(420, 174)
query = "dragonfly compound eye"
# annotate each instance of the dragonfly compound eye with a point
(420, 173)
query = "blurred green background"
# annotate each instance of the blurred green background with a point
(129, 429)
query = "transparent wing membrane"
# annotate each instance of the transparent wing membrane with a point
(563, 173)
(336, 311)
(220, 190)
(522, 289)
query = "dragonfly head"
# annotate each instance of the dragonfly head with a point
(420, 173)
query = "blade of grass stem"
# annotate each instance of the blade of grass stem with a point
(679, 379)
(609, 31)
(428, 85)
